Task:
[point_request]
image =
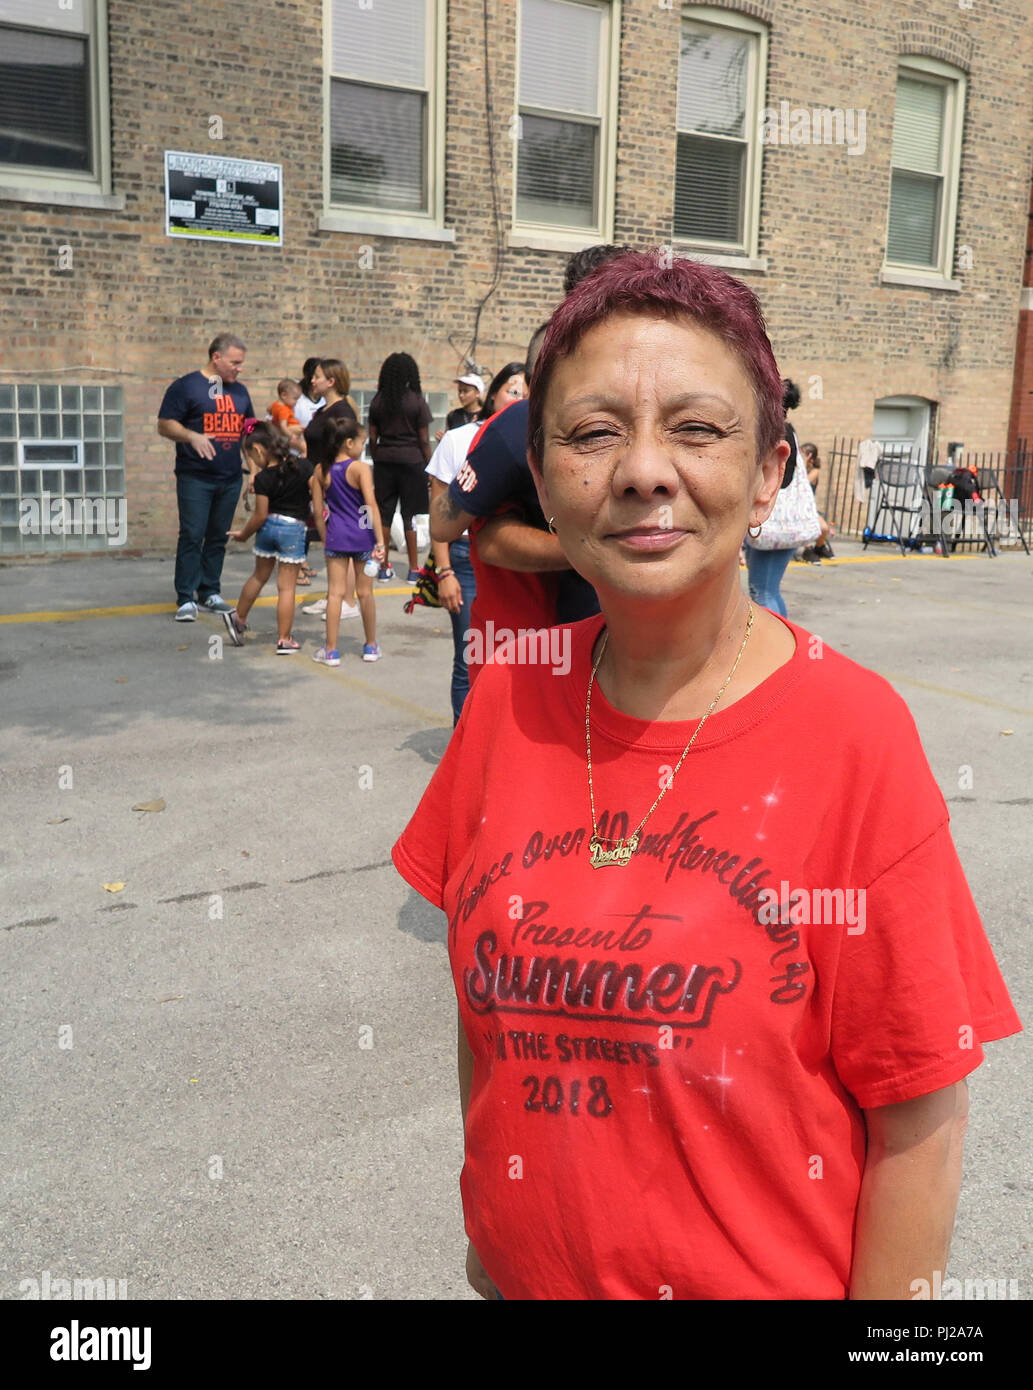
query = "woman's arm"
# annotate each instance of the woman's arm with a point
(449, 592)
(318, 502)
(909, 1193)
(256, 521)
(512, 544)
(447, 521)
(425, 444)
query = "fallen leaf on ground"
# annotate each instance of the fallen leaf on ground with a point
(58, 820)
(194, 1080)
(245, 853)
(158, 805)
(168, 999)
(113, 887)
(184, 647)
(121, 680)
(1007, 731)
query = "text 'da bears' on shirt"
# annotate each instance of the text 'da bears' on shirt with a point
(671, 1058)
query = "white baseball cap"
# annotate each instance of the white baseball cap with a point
(472, 380)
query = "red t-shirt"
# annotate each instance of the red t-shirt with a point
(668, 1079)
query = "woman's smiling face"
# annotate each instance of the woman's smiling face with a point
(650, 456)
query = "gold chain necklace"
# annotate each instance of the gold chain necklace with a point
(624, 849)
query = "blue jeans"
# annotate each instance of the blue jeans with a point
(206, 507)
(765, 569)
(459, 558)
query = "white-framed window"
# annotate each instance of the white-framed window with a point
(437, 400)
(384, 126)
(566, 117)
(54, 119)
(926, 161)
(722, 65)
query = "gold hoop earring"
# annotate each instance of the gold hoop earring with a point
(552, 528)
(750, 531)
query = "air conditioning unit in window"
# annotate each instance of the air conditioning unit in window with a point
(49, 453)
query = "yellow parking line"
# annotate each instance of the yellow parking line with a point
(384, 697)
(957, 694)
(133, 610)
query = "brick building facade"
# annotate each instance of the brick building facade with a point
(99, 301)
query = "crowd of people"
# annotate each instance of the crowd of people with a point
(314, 472)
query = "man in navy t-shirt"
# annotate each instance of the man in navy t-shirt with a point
(203, 412)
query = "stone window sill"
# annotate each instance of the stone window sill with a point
(62, 198)
(918, 281)
(384, 226)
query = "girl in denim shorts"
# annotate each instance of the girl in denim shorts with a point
(348, 521)
(282, 496)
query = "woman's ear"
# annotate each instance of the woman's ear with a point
(772, 469)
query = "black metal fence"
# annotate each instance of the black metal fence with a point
(905, 500)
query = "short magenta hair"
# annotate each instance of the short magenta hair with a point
(641, 282)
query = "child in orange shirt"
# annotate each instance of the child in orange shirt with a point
(281, 412)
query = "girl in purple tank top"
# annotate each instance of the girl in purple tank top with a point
(348, 519)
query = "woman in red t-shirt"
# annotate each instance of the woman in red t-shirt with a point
(720, 976)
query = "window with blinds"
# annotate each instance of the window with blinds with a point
(562, 96)
(715, 124)
(47, 96)
(918, 179)
(380, 92)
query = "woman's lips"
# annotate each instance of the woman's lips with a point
(649, 537)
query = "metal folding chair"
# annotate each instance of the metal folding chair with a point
(901, 492)
(990, 491)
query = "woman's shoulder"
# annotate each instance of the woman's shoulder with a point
(851, 699)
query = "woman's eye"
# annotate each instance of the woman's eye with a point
(592, 434)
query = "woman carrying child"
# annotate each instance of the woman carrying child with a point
(345, 484)
(282, 496)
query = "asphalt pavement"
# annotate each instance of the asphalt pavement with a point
(229, 1034)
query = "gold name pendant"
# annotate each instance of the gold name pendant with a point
(620, 854)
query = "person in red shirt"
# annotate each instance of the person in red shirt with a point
(720, 975)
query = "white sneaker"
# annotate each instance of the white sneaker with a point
(187, 612)
(348, 610)
(318, 608)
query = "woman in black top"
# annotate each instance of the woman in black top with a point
(400, 447)
(282, 500)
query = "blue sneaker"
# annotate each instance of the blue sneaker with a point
(386, 573)
(325, 658)
(413, 577)
(371, 652)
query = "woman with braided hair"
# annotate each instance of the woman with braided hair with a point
(399, 445)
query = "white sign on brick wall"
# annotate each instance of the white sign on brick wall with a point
(214, 198)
